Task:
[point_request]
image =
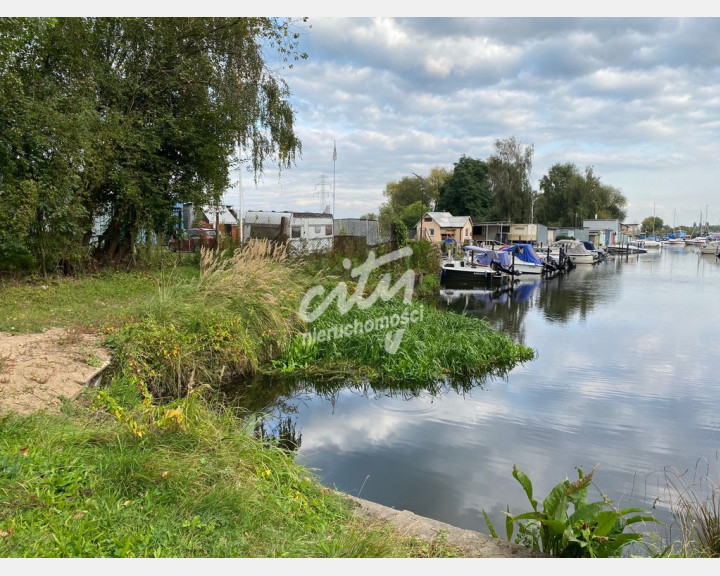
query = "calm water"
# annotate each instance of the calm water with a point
(626, 378)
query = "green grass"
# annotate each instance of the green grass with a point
(438, 345)
(82, 485)
(34, 305)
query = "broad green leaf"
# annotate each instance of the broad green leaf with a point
(555, 504)
(489, 525)
(524, 481)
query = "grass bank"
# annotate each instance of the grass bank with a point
(196, 484)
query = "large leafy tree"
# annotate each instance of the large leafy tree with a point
(652, 225)
(121, 118)
(570, 196)
(467, 192)
(509, 169)
(411, 196)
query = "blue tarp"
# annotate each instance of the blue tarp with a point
(484, 256)
(524, 252)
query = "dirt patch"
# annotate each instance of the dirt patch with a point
(38, 370)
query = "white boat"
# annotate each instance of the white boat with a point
(712, 247)
(525, 260)
(652, 242)
(575, 250)
(674, 242)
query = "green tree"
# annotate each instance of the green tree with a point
(652, 225)
(467, 191)
(122, 118)
(570, 196)
(509, 169)
(411, 196)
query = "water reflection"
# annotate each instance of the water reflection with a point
(625, 378)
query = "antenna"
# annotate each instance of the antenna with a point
(322, 193)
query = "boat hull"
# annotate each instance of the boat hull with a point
(462, 274)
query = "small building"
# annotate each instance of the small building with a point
(441, 226)
(305, 232)
(528, 233)
(486, 231)
(576, 233)
(603, 232)
(358, 232)
(222, 218)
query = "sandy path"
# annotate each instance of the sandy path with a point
(37, 370)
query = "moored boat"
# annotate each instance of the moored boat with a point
(712, 247)
(526, 260)
(478, 267)
(575, 250)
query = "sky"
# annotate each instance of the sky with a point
(638, 99)
(633, 94)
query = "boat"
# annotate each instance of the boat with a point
(711, 247)
(652, 242)
(575, 250)
(478, 267)
(526, 260)
(600, 253)
(671, 240)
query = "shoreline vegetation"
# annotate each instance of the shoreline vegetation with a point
(152, 464)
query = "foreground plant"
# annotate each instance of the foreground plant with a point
(695, 501)
(590, 530)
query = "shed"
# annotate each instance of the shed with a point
(305, 232)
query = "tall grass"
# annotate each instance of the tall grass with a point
(695, 505)
(236, 315)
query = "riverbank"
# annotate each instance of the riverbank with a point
(76, 483)
(113, 471)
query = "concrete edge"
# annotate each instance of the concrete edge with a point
(473, 544)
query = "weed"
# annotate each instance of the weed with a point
(695, 504)
(590, 530)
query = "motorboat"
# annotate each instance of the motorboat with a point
(575, 250)
(599, 252)
(652, 242)
(526, 260)
(478, 266)
(712, 247)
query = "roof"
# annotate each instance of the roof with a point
(447, 220)
(224, 214)
(293, 214)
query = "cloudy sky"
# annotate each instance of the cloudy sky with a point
(638, 99)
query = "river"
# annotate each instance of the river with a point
(625, 379)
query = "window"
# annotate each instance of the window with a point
(317, 229)
(432, 231)
(467, 233)
(295, 232)
(328, 230)
(427, 219)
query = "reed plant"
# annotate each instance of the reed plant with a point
(695, 504)
(234, 316)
